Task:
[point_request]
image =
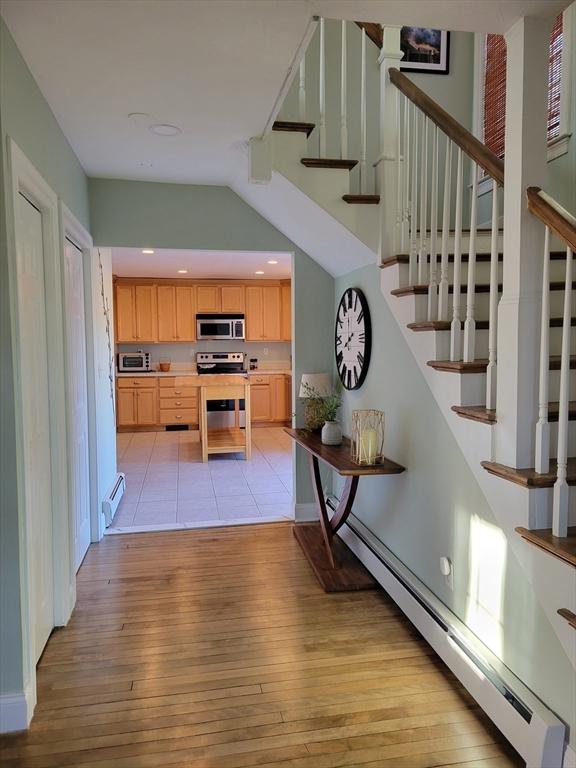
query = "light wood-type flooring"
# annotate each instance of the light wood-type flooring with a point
(217, 647)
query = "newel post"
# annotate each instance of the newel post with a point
(386, 172)
(519, 310)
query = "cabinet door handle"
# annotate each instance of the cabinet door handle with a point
(136, 383)
(178, 402)
(177, 391)
(178, 415)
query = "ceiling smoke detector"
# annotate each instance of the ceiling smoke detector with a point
(164, 129)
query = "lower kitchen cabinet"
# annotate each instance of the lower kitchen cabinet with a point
(260, 402)
(270, 397)
(137, 407)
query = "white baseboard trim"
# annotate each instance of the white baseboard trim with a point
(535, 732)
(16, 709)
(569, 757)
(306, 513)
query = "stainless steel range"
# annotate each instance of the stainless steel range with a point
(221, 412)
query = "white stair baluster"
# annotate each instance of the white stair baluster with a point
(456, 327)
(344, 96)
(433, 287)
(406, 214)
(363, 180)
(302, 91)
(444, 280)
(322, 94)
(542, 456)
(493, 312)
(470, 323)
(413, 256)
(422, 252)
(398, 239)
(561, 488)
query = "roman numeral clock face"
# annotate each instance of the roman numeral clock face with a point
(353, 340)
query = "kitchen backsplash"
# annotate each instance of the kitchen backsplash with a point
(279, 353)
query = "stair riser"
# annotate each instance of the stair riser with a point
(555, 342)
(554, 385)
(554, 439)
(481, 306)
(557, 272)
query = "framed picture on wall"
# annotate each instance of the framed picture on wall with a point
(425, 50)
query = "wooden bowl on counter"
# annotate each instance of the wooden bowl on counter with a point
(165, 367)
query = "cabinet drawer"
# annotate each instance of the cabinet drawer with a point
(178, 382)
(178, 402)
(179, 392)
(260, 379)
(176, 416)
(130, 382)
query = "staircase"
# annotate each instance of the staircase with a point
(443, 276)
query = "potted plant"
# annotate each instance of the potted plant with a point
(321, 413)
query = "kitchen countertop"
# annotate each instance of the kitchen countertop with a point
(153, 374)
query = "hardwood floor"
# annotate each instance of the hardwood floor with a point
(218, 648)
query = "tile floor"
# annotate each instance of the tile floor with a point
(168, 486)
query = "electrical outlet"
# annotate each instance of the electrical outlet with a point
(447, 570)
(265, 351)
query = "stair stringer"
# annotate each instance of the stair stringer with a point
(552, 580)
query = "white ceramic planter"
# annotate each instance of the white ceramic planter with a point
(331, 433)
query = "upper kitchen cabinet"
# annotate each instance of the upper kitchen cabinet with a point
(220, 298)
(176, 313)
(286, 311)
(136, 313)
(263, 313)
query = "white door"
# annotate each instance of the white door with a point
(35, 416)
(77, 399)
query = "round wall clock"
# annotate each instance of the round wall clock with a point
(353, 338)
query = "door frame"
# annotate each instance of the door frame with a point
(71, 229)
(27, 180)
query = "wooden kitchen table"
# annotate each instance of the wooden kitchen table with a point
(336, 567)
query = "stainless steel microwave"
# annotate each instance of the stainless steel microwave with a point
(133, 362)
(214, 327)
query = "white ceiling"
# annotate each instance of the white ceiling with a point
(212, 67)
(229, 265)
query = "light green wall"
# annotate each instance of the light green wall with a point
(139, 214)
(436, 508)
(26, 118)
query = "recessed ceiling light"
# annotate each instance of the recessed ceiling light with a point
(164, 129)
(148, 251)
(182, 271)
(259, 272)
(272, 261)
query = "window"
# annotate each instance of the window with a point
(494, 88)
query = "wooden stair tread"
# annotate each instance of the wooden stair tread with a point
(476, 413)
(488, 416)
(562, 548)
(323, 162)
(529, 478)
(481, 325)
(568, 615)
(361, 199)
(404, 258)
(295, 127)
(458, 366)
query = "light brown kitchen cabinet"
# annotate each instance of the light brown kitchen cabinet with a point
(263, 313)
(176, 314)
(136, 313)
(260, 402)
(279, 404)
(286, 312)
(208, 298)
(137, 407)
(232, 298)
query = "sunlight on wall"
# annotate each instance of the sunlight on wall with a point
(485, 598)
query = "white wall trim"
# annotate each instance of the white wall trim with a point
(541, 741)
(306, 513)
(72, 229)
(16, 709)
(26, 179)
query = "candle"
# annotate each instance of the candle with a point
(368, 446)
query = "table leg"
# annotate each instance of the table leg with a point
(324, 519)
(345, 505)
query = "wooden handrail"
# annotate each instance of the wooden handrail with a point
(462, 137)
(557, 218)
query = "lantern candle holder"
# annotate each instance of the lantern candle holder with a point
(367, 441)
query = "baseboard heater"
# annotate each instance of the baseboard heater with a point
(535, 731)
(111, 502)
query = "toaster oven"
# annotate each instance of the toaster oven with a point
(134, 362)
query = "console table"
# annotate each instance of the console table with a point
(336, 567)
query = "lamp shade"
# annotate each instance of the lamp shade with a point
(315, 384)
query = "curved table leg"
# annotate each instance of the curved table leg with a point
(329, 527)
